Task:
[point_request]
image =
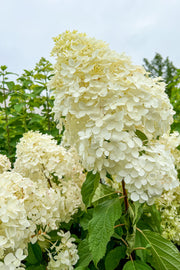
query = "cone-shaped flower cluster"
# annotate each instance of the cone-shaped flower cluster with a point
(106, 103)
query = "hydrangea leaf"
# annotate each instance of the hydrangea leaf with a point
(136, 265)
(34, 254)
(102, 193)
(101, 227)
(114, 256)
(150, 219)
(84, 254)
(86, 217)
(165, 255)
(140, 241)
(89, 187)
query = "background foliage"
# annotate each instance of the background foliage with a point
(25, 105)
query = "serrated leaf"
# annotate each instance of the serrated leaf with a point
(34, 254)
(136, 265)
(102, 193)
(101, 227)
(114, 256)
(165, 255)
(89, 187)
(84, 254)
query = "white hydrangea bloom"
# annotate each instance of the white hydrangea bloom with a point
(102, 99)
(14, 224)
(40, 158)
(169, 206)
(65, 254)
(171, 142)
(58, 175)
(5, 164)
(13, 261)
(151, 173)
(48, 207)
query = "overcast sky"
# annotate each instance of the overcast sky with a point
(140, 28)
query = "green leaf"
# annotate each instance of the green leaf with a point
(10, 85)
(84, 253)
(140, 241)
(84, 221)
(18, 107)
(141, 136)
(114, 256)
(137, 265)
(54, 236)
(81, 268)
(165, 255)
(150, 219)
(101, 227)
(102, 192)
(34, 254)
(89, 187)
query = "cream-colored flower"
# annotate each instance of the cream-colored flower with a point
(13, 261)
(65, 254)
(5, 164)
(151, 173)
(14, 224)
(171, 142)
(169, 206)
(40, 158)
(102, 99)
(58, 175)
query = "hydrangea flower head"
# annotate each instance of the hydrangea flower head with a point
(168, 205)
(58, 175)
(102, 99)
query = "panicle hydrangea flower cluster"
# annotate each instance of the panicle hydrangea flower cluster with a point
(34, 202)
(64, 254)
(40, 158)
(5, 164)
(168, 203)
(58, 175)
(102, 99)
(169, 207)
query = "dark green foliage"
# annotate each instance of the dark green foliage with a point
(171, 76)
(159, 67)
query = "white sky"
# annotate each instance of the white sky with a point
(140, 28)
